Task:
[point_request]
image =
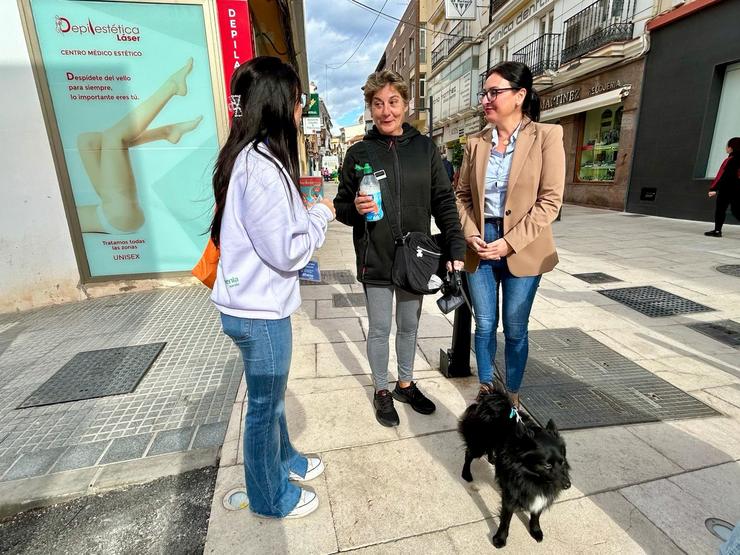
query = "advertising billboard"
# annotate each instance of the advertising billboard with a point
(131, 96)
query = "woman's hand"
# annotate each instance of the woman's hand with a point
(330, 205)
(455, 265)
(712, 194)
(498, 249)
(475, 243)
(365, 204)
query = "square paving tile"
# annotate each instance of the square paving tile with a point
(94, 374)
(654, 302)
(596, 277)
(581, 383)
(333, 277)
(724, 331)
(340, 300)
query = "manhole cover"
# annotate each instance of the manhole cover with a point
(92, 374)
(724, 331)
(654, 302)
(236, 500)
(596, 277)
(730, 269)
(341, 300)
(333, 277)
(581, 383)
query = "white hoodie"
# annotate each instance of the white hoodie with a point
(267, 236)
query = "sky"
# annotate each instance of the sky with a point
(334, 28)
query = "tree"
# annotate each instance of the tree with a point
(457, 154)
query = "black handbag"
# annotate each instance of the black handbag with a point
(417, 261)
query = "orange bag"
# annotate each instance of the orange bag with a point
(205, 269)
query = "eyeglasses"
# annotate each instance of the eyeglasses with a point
(492, 93)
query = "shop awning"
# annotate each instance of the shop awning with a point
(596, 101)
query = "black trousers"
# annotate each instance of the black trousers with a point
(725, 200)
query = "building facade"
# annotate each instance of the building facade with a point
(69, 89)
(455, 65)
(406, 53)
(690, 109)
(587, 59)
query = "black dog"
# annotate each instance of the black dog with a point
(531, 468)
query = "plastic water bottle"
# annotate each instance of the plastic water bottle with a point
(370, 186)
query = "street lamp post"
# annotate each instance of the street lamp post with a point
(455, 361)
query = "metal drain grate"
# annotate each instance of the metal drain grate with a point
(730, 269)
(724, 331)
(333, 277)
(581, 383)
(342, 300)
(596, 277)
(654, 302)
(94, 374)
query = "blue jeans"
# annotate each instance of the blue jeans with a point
(517, 297)
(266, 347)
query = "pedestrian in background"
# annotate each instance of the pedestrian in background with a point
(509, 192)
(266, 236)
(726, 187)
(448, 167)
(417, 179)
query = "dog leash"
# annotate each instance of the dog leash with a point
(515, 414)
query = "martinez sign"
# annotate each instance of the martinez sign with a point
(503, 30)
(571, 95)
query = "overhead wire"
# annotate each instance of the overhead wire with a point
(363, 38)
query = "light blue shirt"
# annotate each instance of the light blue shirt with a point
(497, 176)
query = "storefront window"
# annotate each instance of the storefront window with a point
(600, 144)
(728, 116)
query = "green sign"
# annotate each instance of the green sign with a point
(313, 105)
(132, 96)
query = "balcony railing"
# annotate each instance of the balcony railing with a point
(439, 53)
(601, 23)
(540, 54)
(496, 5)
(460, 32)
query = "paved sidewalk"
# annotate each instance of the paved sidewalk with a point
(174, 421)
(644, 488)
(638, 488)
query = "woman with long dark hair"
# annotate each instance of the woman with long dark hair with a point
(726, 187)
(265, 235)
(510, 191)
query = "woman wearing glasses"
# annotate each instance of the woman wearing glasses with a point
(510, 190)
(266, 236)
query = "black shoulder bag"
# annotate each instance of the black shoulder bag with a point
(417, 262)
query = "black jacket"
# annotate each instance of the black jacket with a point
(413, 165)
(728, 184)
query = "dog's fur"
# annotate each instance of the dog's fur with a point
(531, 468)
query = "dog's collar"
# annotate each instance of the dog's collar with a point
(515, 414)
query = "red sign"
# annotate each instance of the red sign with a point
(236, 38)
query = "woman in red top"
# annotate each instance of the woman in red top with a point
(726, 187)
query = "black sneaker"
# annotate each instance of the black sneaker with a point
(414, 397)
(713, 233)
(385, 412)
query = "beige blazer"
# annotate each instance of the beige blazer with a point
(533, 198)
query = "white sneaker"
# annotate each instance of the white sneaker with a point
(314, 469)
(307, 503)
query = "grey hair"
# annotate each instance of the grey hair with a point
(379, 79)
